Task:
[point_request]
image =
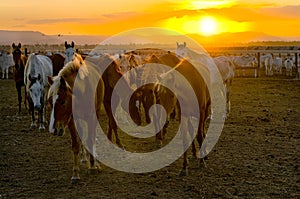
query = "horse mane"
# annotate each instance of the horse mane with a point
(74, 67)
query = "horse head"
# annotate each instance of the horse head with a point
(17, 55)
(60, 98)
(70, 52)
(182, 50)
(36, 88)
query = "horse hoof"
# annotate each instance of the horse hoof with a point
(83, 161)
(183, 173)
(93, 171)
(42, 129)
(60, 132)
(75, 180)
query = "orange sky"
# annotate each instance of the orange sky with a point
(98, 17)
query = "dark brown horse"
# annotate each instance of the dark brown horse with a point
(111, 74)
(20, 61)
(58, 62)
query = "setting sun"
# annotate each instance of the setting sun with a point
(208, 26)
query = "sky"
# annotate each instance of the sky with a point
(109, 17)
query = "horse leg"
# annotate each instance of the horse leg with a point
(41, 118)
(91, 146)
(183, 130)
(31, 110)
(75, 148)
(25, 98)
(115, 129)
(200, 139)
(18, 87)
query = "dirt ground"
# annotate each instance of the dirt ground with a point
(255, 157)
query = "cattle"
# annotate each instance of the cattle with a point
(6, 61)
(289, 64)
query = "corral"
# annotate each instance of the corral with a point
(255, 157)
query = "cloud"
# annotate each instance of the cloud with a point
(120, 15)
(285, 11)
(63, 20)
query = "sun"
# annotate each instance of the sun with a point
(207, 26)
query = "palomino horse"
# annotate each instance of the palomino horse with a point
(62, 94)
(37, 69)
(111, 74)
(20, 61)
(128, 62)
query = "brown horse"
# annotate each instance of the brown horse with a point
(58, 62)
(111, 74)
(20, 61)
(62, 94)
(169, 101)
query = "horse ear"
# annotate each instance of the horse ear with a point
(177, 44)
(50, 80)
(39, 77)
(66, 44)
(13, 45)
(62, 82)
(72, 44)
(184, 44)
(19, 45)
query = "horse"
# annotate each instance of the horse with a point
(6, 61)
(200, 87)
(62, 94)
(58, 62)
(111, 74)
(226, 69)
(20, 61)
(200, 60)
(37, 69)
(70, 53)
(166, 98)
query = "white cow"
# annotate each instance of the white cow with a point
(6, 61)
(267, 62)
(277, 64)
(244, 61)
(289, 64)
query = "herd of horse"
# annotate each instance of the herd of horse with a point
(65, 81)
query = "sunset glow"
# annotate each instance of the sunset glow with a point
(208, 26)
(203, 17)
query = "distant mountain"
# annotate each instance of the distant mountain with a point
(35, 37)
(26, 37)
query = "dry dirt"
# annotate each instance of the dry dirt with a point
(255, 157)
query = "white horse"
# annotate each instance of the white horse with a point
(244, 61)
(6, 61)
(37, 69)
(70, 53)
(226, 69)
(199, 60)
